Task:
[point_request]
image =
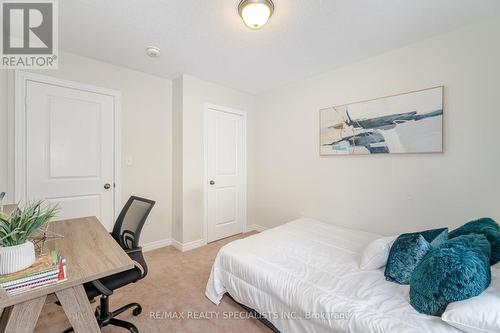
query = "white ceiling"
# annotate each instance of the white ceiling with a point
(207, 39)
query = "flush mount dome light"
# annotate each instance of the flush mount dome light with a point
(255, 13)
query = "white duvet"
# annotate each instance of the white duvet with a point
(304, 276)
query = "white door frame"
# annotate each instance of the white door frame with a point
(20, 160)
(209, 106)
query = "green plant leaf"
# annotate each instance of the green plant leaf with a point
(23, 221)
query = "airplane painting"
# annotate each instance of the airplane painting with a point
(404, 123)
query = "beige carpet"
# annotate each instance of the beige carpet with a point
(176, 282)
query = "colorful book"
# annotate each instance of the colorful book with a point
(31, 285)
(43, 264)
(29, 279)
(34, 284)
(48, 269)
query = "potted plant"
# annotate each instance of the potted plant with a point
(16, 251)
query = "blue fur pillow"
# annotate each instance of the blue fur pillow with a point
(435, 237)
(457, 270)
(484, 226)
(407, 252)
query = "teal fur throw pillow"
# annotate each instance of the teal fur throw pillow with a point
(487, 227)
(407, 252)
(457, 270)
(435, 237)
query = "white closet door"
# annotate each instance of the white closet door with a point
(226, 192)
(70, 150)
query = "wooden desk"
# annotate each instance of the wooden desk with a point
(9, 208)
(90, 253)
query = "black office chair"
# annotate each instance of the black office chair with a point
(126, 232)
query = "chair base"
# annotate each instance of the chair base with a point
(105, 317)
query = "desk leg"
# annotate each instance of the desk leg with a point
(76, 305)
(22, 317)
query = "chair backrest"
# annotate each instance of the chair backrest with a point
(128, 226)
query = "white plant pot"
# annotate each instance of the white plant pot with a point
(16, 258)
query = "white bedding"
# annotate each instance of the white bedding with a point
(306, 269)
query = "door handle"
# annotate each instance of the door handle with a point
(212, 182)
(107, 186)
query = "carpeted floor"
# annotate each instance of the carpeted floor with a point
(175, 283)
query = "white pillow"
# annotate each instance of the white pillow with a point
(480, 314)
(376, 253)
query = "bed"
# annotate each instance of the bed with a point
(303, 276)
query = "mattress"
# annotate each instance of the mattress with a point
(304, 276)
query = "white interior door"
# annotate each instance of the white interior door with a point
(70, 150)
(226, 174)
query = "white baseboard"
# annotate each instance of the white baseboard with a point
(193, 245)
(156, 244)
(177, 244)
(183, 247)
(256, 227)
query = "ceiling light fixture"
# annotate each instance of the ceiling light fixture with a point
(153, 51)
(255, 13)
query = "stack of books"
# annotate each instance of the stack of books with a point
(49, 268)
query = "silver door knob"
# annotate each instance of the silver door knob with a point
(212, 182)
(107, 186)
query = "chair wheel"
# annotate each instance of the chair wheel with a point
(137, 311)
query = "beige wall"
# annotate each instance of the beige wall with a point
(162, 127)
(146, 132)
(195, 94)
(177, 161)
(4, 136)
(387, 193)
